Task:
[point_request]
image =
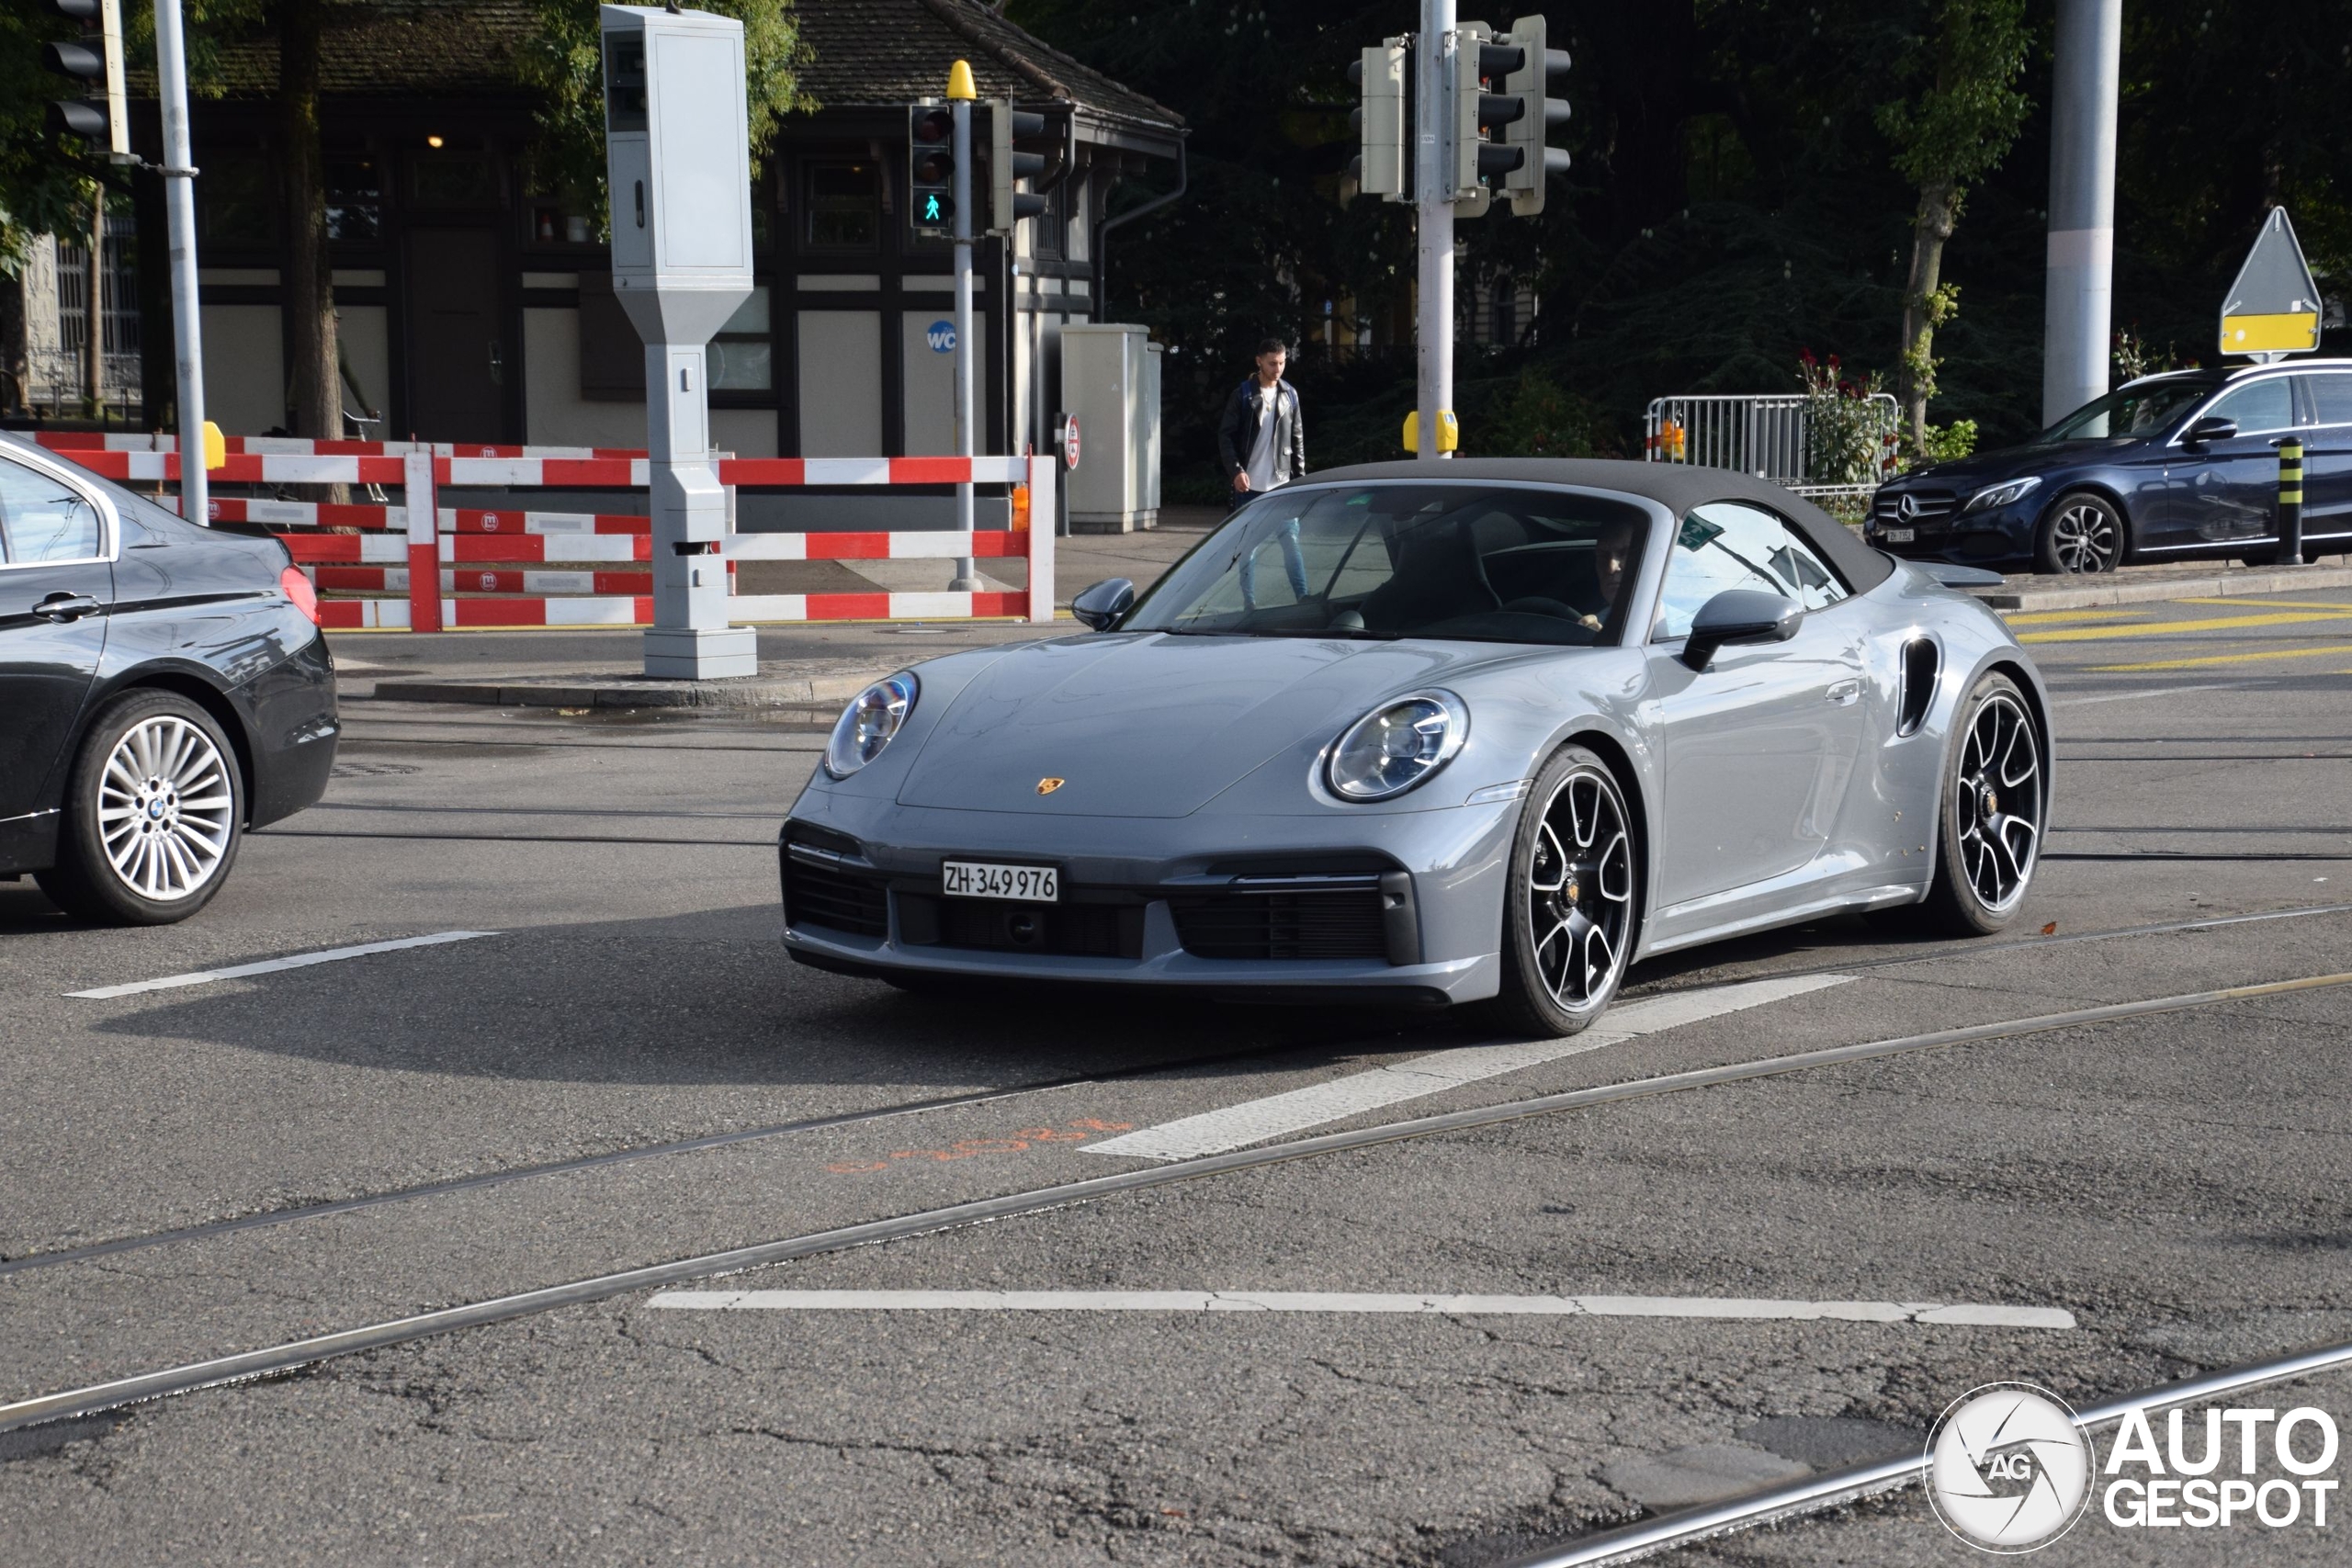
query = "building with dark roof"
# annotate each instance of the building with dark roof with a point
(475, 306)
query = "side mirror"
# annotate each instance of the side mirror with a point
(1104, 603)
(1739, 616)
(2210, 428)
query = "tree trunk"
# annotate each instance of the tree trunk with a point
(317, 400)
(1925, 305)
(93, 317)
(12, 345)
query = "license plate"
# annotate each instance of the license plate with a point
(981, 879)
(1898, 535)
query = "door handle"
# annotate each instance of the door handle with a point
(63, 607)
(1845, 694)
(497, 363)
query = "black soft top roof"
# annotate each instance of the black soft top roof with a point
(1677, 487)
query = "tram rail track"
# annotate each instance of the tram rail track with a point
(294, 1355)
(32, 1261)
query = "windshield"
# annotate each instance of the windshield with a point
(1463, 562)
(2146, 409)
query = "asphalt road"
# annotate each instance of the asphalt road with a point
(2119, 1204)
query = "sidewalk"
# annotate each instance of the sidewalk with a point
(814, 664)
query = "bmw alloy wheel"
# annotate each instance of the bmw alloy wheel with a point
(166, 809)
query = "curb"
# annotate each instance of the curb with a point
(2228, 584)
(619, 692)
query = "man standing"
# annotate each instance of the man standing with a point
(1261, 437)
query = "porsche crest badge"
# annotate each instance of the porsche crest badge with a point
(1048, 787)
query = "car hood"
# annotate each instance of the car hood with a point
(1967, 475)
(1151, 724)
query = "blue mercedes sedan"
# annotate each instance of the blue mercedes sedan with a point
(2169, 467)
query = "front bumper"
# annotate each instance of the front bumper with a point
(1971, 539)
(1415, 898)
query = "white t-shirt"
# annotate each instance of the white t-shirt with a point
(1260, 465)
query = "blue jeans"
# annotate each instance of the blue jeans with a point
(1293, 566)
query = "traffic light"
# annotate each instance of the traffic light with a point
(1519, 62)
(1383, 167)
(1477, 60)
(98, 118)
(931, 169)
(1012, 133)
(1532, 114)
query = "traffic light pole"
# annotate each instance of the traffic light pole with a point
(1433, 213)
(967, 576)
(180, 207)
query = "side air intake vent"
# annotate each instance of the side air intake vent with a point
(1921, 660)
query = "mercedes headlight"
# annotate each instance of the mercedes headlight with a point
(1398, 745)
(868, 723)
(2000, 495)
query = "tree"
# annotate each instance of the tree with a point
(312, 351)
(565, 62)
(1946, 137)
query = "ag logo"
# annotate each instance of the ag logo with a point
(1048, 787)
(2009, 1468)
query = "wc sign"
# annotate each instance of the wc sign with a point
(942, 337)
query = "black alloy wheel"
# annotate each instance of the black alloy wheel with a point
(1995, 807)
(1569, 911)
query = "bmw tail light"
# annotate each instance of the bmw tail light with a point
(297, 587)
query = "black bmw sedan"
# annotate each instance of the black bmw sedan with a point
(2169, 467)
(163, 687)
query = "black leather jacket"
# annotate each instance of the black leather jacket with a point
(1237, 431)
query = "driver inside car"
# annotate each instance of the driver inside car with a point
(1612, 552)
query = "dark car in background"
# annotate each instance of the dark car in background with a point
(163, 687)
(2166, 467)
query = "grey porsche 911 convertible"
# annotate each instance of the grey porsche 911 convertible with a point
(1485, 733)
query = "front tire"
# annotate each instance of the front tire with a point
(2082, 533)
(1569, 912)
(1995, 804)
(154, 809)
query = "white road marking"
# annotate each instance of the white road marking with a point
(1255, 1121)
(270, 965)
(2151, 692)
(1940, 1313)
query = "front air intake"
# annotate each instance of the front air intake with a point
(1921, 661)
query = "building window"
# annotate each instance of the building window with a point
(843, 209)
(452, 178)
(742, 354)
(240, 199)
(355, 201)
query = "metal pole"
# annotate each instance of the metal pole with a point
(179, 208)
(1433, 212)
(967, 578)
(2081, 263)
(2291, 503)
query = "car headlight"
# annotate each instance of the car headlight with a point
(2000, 495)
(1398, 745)
(867, 724)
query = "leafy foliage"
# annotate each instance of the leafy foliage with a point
(566, 64)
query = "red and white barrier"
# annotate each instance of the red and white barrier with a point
(421, 548)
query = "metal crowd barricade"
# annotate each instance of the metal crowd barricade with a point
(1763, 434)
(418, 565)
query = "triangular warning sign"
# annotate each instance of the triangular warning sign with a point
(2273, 307)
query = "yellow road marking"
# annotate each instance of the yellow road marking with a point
(2039, 618)
(2252, 603)
(2331, 647)
(2171, 628)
